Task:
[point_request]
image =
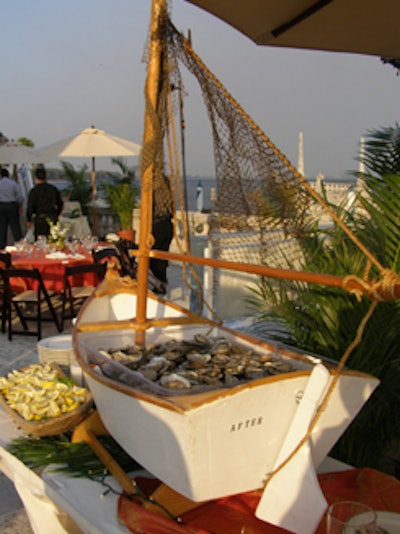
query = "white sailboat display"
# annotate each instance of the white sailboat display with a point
(216, 439)
(211, 443)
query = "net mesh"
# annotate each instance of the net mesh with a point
(263, 205)
(257, 189)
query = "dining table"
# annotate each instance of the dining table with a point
(51, 265)
(63, 504)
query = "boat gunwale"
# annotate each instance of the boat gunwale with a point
(113, 285)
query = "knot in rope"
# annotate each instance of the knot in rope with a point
(382, 290)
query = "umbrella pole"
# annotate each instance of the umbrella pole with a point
(94, 195)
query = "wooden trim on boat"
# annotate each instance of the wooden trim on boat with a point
(135, 325)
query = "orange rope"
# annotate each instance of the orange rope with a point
(379, 290)
(331, 388)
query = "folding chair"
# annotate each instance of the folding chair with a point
(104, 255)
(5, 263)
(129, 265)
(75, 293)
(128, 262)
(30, 305)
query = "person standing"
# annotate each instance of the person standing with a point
(44, 202)
(11, 199)
(162, 230)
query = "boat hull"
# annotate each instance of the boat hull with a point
(206, 446)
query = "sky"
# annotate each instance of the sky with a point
(70, 64)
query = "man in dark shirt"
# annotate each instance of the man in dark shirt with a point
(44, 202)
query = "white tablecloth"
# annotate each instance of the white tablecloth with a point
(56, 503)
(59, 504)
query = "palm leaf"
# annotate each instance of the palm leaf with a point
(324, 320)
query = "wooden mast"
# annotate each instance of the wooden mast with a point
(151, 90)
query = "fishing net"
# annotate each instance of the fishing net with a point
(257, 188)
(263, 207)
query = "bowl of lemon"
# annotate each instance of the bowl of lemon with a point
(42, 400)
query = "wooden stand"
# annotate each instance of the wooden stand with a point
(162, 497)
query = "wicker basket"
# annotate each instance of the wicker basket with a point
(54, 425)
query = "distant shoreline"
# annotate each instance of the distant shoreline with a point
(209, 183)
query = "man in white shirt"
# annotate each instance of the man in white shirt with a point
(11, 199)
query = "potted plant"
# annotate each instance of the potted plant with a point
(78, 188)
(122, 197)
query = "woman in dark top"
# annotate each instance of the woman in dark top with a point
(162, 230)
(44, 202)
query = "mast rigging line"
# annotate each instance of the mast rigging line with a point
(276, 172)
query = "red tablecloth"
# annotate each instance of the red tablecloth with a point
(235, 514)
(52, 270)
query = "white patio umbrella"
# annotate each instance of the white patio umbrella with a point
(358, 26)
(13, 153)
(91, 143)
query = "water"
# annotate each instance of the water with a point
(191, 189)
(208, 184)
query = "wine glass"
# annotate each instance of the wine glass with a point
(41, 242)
(351, 518)
(94, 240)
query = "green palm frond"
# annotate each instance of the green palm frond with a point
(382, 151)
(74, 459)
(122, 193)
(79, 187)
(323, 320)
(382, 229)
